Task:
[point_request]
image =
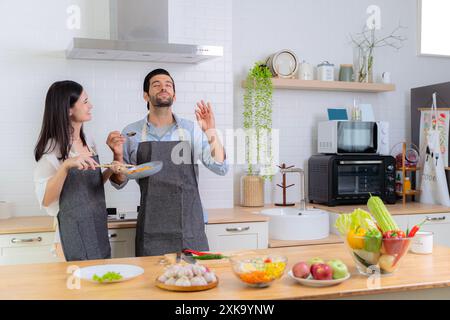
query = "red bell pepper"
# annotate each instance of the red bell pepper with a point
(393, 241)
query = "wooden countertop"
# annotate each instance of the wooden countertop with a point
(395, 209)
(27, 225)
(48, 281)
(45, 223)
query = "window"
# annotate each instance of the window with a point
(434, 27)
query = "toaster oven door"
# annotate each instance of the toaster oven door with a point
(357, 179)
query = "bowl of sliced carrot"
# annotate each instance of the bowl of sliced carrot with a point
(258, 271)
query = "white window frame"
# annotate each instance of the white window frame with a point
(419, 35)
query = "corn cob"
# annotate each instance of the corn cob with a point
(381, 214)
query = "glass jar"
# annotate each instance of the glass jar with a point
(407, 184)
(252, 190)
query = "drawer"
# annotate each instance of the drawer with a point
(27, 240)
(237, 236)
(122, 242)
(27, 251)
(120, 235)
(433, 219)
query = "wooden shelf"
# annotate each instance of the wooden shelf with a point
(409, 193)
(410, 168)
(296, 84)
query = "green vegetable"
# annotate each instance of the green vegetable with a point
(381, 214)
(357, 219)
(210, 257)
(109, 276)
(343, 223)
(362, 219)
(372, 241)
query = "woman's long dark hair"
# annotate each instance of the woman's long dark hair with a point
(56, 124)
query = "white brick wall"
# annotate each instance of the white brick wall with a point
(318, 30)
(33, 38)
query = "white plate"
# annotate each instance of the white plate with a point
(310, 282)
(126, 270)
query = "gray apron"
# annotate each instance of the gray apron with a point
(170, 214)
(82, 216)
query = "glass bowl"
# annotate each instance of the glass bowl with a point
(258, 271)
(372, 258)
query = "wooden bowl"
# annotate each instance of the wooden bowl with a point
(164, 286)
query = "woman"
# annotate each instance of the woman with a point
(68, 182)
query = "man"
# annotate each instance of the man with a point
(171, 216)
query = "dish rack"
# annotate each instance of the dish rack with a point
(408, 171)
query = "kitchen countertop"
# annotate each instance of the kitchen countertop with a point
(45, 223)
(48, 281)
(395, 209)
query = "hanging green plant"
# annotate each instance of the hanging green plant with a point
(258, 119)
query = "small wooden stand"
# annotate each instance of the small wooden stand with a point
(284, 187)
(406, 169)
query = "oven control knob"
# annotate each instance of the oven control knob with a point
(390, 167)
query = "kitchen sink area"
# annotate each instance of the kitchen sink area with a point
(295, 224)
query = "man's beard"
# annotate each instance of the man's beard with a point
(160, 102)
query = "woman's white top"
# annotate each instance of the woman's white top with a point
(45, 169)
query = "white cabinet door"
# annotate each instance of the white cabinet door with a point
(237, 236)
(27, 248)
(402, 221)
(122, 242)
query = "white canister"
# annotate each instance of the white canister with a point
(422, 243)
(5, 210)
(325, 71)
(306, 71)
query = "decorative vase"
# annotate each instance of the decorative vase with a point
(364, 61)
(252, 190)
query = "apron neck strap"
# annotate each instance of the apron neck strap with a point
(144, 131)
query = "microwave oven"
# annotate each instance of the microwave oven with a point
(351, 179)
(354, 137)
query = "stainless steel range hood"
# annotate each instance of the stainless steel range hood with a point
(140, 32)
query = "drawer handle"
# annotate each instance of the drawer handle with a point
(15, 240)
(436, 219)
(238, 229)
(112, 235)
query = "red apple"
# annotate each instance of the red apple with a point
(321, 271)
(301, 270)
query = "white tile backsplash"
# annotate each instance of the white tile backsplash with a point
(32, 57)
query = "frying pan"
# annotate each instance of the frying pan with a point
(141, 171)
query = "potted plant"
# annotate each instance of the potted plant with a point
(258, 129)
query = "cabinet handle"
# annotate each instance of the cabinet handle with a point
(238, 229)
(112, 235)
(436, 219)
(15, 240)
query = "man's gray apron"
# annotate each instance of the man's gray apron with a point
(82, 217)
(170, 214)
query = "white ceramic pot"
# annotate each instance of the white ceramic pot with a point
(422, 243)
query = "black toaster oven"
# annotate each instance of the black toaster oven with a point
(351, 179)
